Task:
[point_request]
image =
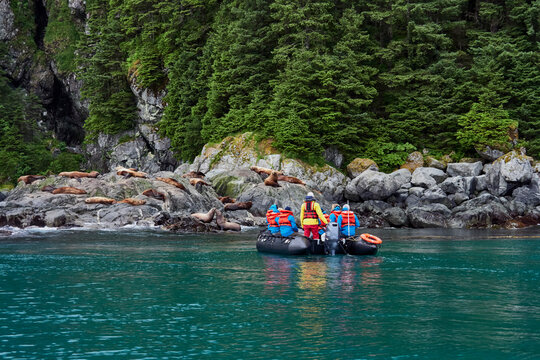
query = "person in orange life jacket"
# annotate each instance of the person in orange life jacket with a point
(287, 224)
(310, 214)
(271, 216)
(347, 222)
(322, 228)
(336, 210)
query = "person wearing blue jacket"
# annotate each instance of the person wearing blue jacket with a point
(347, 222)
(287, 224)
(271, 217)
(336, 210)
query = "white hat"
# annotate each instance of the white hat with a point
(345, 207)
(310, 194)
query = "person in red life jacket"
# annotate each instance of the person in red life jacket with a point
(310, 214)
(347, 222)
(271, 216)
(336, 210)
(322, 227)
(287, 224)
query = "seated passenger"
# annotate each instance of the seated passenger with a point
(336, 210)
(287, 224)
(322, 227)
(347, 222)
(271, 216)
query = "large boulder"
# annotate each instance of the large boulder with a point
(508, 172)
(430, 161)
(488, 153)
(516, 167)
(395, 216)
(459, 184)
(427, 177)
(373, 185)
(429, 216)
(527, 195)
(359, 165)
(464, 169)
(482, 211)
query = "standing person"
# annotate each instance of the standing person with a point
(310, 214)
(287, 224)
(347, 222)
(271, 216)
(336, 210)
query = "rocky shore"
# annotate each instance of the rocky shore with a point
(476, 194)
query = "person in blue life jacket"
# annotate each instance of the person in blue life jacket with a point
(287, 224)
(336, 210)
(271, 217)
(347, 222)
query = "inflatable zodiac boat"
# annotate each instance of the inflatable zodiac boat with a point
(364, 244)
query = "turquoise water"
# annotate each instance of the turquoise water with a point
(436, 294)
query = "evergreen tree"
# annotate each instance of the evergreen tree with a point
(112, 106)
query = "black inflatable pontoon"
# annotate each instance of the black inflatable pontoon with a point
(301, 245)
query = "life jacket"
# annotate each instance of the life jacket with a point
(347, 219)
(284, 218)
(336, 213)
(327, 217)
(271, 218)
(309, 211)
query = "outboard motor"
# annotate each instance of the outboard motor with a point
(332, 238)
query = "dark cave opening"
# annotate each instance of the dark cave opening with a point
(68, 124)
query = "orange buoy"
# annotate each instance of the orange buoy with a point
(372, 239)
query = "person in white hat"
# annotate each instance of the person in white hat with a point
(310, 214)
(347, 222)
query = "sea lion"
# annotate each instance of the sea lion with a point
(153, 193)
(28, 179)
(68, 190)
(194, 174)
(172, 182)
(290, 179)
(130, 172)
(261, 170)
(242, 205)
(272, 179)
(205, 218)
(226, 199)
(48, 188)
(134, 202)
(195, 181)
(224, 224)
(100, 200)
(79, 174)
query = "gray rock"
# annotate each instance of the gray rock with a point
(3, 195)
(417, 191)
(458, 198)
(333, 156)
(434, 163)
(464, 169)
(429, 216)
(412, 201)
(527, 196)
(459, 184)
(373, 185)
(395, 216)
(373, 207)
(7, 18)
(435, 195)
(481, 183)
(427, 176)
(516, 167)
(482, 211)
(56, 218)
